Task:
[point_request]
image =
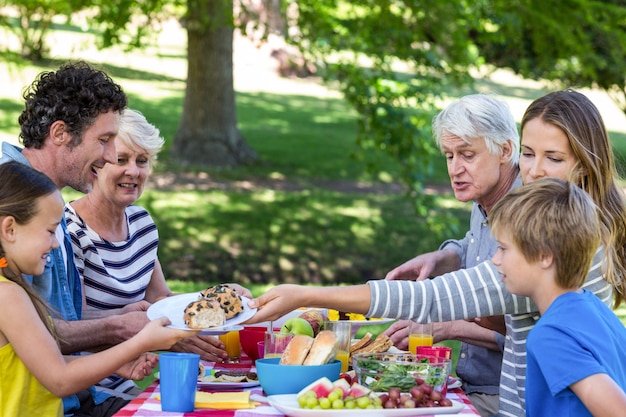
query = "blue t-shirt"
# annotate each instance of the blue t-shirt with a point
(578, 336)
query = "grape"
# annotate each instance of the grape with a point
(394, 394)
(436, 395)
(363, 402)
(390, 404)
(410, 403)
(445, 402)
(338, 404)
(334, 395)
(324, 403)
(311, 402)
(350, 404)
(417, 393)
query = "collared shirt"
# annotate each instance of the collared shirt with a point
(478, 367)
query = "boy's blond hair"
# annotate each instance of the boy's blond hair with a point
(551, 217)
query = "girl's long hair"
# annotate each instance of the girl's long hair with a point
(20, 188)
(594, 172)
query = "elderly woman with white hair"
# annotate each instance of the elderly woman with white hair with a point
(115, 242)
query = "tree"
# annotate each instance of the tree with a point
(572, 44)
(208, 132)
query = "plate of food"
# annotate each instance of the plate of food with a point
(288, 405)
(214, 311)
(224, 379)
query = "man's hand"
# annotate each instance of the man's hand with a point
(492, 323)
(208, 347)
(426, 265)
(398, 332)
(138, 306)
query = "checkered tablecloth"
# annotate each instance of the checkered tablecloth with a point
(147, 404)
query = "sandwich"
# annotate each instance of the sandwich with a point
(382, 343)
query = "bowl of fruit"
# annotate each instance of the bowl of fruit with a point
(382, 372)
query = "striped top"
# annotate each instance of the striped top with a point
(478, 292)
(114, 273)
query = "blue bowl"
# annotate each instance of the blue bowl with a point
(290, 379)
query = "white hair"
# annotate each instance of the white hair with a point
(140, 135)
(479, 116)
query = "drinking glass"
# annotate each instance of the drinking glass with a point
(420, 334)
(343, 330)
(232, 346)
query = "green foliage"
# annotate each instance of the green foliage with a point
(577, 43)
(394, 61)
(31, 22)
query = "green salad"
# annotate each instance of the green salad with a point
(382, 375)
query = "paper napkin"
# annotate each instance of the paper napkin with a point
(224, 400)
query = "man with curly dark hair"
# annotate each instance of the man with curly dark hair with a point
(68, 129)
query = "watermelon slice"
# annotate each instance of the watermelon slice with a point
(321, 387)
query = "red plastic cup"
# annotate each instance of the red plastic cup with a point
(438, 351)
(261, 349)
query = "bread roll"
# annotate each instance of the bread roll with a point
(297, 350)
(227, 297)
(324, 349)
(204, 313)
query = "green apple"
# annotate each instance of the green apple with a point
(297, 325)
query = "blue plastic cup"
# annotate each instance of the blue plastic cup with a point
(178, 374)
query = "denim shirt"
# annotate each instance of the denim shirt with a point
(62, 291)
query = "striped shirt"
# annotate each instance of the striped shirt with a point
(478, 292)
(114, 273)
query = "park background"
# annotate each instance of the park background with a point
(308, 212)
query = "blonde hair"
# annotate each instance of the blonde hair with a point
(551, 217)
(595, 172)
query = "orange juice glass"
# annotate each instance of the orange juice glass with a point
(420, 334)
(232, 346)
(344, 357)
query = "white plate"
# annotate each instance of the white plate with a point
(288, 405)
(227, 385)
(174, 309)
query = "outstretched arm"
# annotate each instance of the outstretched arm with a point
(285, 298)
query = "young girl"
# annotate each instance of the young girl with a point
(34, 374)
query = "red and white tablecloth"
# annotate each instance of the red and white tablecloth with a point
(147, 405)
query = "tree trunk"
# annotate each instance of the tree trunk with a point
(208, 133)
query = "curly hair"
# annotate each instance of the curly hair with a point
(76, 93)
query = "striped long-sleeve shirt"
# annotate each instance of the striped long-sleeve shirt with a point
(477, 292)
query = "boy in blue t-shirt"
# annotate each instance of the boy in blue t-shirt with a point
(548, 232)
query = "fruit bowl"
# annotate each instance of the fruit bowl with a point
(290, 379)
(383, 371)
